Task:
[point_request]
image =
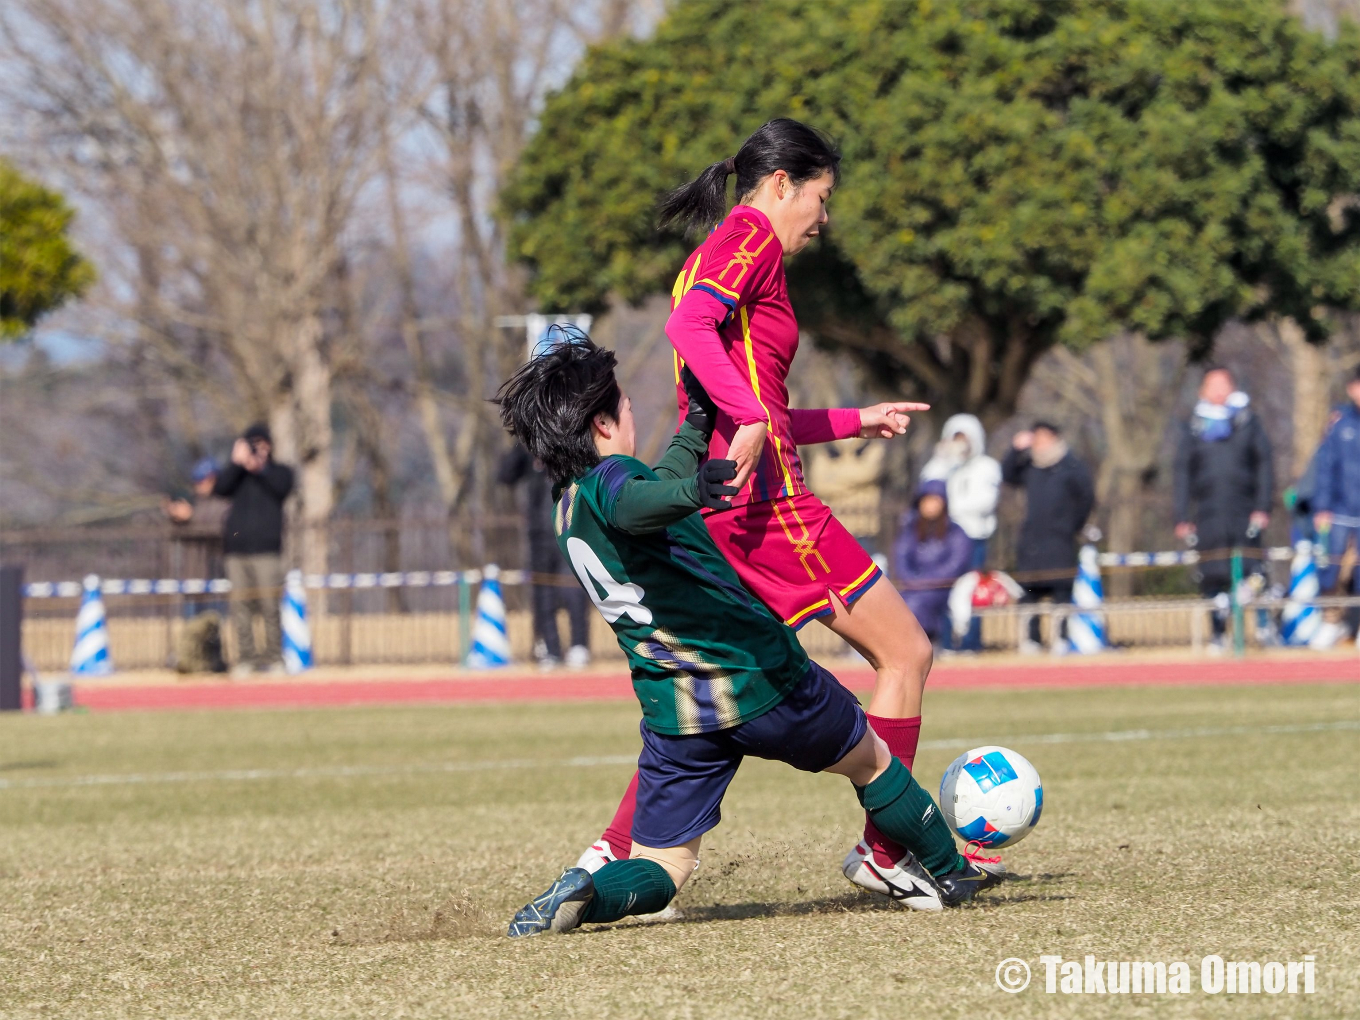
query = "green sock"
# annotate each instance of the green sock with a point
(623, 888)
(906, 814)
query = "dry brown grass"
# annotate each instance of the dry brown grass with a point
(386, 893)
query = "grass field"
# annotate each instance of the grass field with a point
(364, 863)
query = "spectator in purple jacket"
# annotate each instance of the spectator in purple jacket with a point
(930, 554)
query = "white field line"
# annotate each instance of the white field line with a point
(349, 771)
(324, 772)
(1116, 736)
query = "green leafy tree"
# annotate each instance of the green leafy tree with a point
(1018, 173)
(39, 268)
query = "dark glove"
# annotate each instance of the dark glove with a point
(712, 475)
(702, 413)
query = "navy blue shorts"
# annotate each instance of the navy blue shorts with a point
(681, 780)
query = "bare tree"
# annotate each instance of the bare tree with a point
(1125, 387)
(227, 143)
(1315, 371)
(492, 65)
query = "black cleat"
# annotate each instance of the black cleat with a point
(962, 885)
(558, 909)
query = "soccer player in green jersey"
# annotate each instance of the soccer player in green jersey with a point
(717, 675)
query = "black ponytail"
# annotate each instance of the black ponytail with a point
(781, 144)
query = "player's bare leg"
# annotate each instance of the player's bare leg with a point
(881, 628)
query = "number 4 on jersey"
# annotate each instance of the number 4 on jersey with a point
(619, 599)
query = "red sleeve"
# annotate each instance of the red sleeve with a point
(693, 331)
(822, 425)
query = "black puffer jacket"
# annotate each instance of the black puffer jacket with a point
(517, 466)
(1218, 484)
(254, 523)
(1059, 501)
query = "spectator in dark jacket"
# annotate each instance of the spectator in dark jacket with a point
(552, 586)
(1336, 491)
(1059, 496)
(930, 554)
(252, 545)
(199, 518)
(1223, 468)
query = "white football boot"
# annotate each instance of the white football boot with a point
(596, 856)
(600, 853)
(906, 881)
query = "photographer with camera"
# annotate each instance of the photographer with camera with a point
(252, 544)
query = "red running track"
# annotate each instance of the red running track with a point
(105, 696)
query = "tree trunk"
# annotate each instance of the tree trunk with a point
(1308, 364)
(304, 438)
(1131, 379)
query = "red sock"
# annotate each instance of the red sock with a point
(620, 831)
(901, 736)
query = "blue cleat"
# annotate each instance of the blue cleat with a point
(559, 909)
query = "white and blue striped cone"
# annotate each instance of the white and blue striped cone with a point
(90, 656)
(1086, 630)
(297, 636)
(490, 642)
(1300, 620)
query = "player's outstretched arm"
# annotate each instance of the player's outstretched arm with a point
(827, 424)
(645, 505)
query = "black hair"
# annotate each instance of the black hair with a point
(780, 144)
(1048, 426)
(1211, 368)
(549, 403)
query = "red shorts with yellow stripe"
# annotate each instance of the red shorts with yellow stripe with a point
(792, 554)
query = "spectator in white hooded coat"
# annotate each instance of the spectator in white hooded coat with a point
(973, 480)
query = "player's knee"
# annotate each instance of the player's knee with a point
(866, 761)
(909, 665)
(910, 653)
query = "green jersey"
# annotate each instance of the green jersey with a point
(705, 654)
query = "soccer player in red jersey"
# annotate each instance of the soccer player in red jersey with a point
(732, 323)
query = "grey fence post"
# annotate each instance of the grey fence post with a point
(11, 633)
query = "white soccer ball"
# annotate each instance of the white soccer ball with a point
(991, 795)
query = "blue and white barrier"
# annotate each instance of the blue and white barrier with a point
(450, 578)
(314, 582)
(90, 656)
(1188, 557)
(490, 641)
(1299, 621)
(297, 636)
(1086, 630)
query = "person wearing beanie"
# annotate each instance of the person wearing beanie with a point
(930, 554)
(252, 546)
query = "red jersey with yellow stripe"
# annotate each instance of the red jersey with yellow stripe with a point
(741, 267)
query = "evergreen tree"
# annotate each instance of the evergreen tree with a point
(39, 268)
(1018, 173)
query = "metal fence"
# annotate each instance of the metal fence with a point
(144, 631)
(402, 603)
